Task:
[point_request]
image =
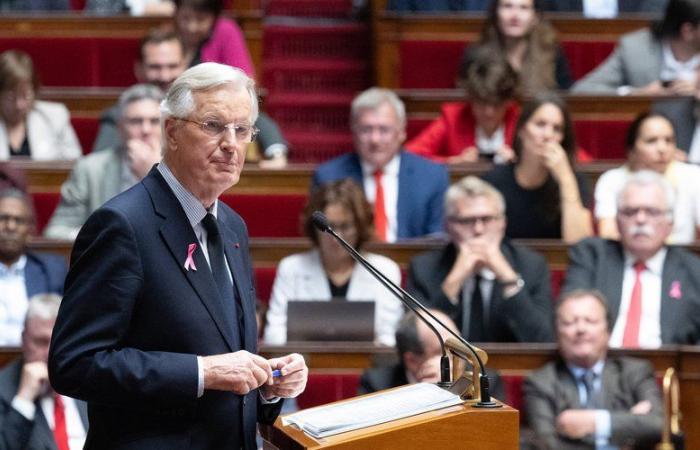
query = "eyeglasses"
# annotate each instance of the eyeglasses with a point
(244, 132)
(472, 221)
(652, 213)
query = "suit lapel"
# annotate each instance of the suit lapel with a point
(178, 235)
(41, 431)
(568, 397)
(405, 194)
(614, 271)
(671, 282)
(34, 278)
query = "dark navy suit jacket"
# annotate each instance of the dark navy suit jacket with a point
(133, 320)
(44, 272)
(422, 186)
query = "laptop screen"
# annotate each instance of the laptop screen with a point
(335, 320)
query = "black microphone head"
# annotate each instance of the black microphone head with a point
(320, 221)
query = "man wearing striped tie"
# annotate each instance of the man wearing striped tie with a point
(32, 415)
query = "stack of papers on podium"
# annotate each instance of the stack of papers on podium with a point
(367, 411)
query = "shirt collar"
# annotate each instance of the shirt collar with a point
(655, 264)
(14, 269)
(578, 371)
(194, 209)
(391, 168)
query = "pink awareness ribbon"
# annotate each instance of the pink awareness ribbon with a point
(189, 262)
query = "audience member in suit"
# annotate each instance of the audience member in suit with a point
(607, 9)
(23, 273)
(517, 30)
(653, 290)
(494, 290)
(31, 128)
(412, 187)
(328, 271)
(436, 5)
(682, 112)
(32, 415)
(545, 196)
(161, 60)
(157, 327)
(651, 146)
(662, 59)
(35, 5)
(419, 352)
(481, 126)
(99, 176)
(586, 399)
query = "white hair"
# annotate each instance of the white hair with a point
(470, 187)
(43, 306)
(178, 101)
(373, 98)
(646, 178)
(137, 93)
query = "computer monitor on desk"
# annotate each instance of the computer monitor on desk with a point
(335, 320)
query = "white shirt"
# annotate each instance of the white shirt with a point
(390, 183)
(650, 323)
(672, 69)
(13, 302)
(683, 177)
(489, 145)
(74, 425)
(600, 9)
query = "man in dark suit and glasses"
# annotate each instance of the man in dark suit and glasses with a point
(157, 328)
(494, 291)
(585, 399)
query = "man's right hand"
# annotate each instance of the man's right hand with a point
(34, 380)
(238, 372)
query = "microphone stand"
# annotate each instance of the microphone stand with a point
(320, 221)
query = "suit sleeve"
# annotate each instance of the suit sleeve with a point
(605, 78)
(540, 411)
(435, 205)
(639, 427)
(582, 266)
(90, 357)
(15, 429)
(107, 134)
(72, 210)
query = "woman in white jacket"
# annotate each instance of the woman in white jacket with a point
(328, 271)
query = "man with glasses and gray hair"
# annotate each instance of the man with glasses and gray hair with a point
(405, 189)
(494, 291)
(652, 289)
(157, 328)
(99, 176)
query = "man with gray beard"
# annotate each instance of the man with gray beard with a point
(652, 289)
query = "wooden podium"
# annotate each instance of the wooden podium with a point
(456, 427)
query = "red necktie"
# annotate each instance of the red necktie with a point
(380, 224)
(60, 433)
(634, 314)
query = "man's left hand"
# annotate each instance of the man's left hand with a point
(292, 380)
(576, 423)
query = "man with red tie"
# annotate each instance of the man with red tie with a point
(405, 189)
(32, 415)
(652, 289)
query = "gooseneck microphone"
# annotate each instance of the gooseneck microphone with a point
(321, 222)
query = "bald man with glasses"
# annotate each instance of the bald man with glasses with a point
(494, 291)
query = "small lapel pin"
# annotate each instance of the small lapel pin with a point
(675, 291)
(189, 262)
(237, 245)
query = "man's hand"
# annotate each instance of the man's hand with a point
(34, 381)
(641, 408)
(576, 423)
(142, 155)
(293, 378)
(238, 372)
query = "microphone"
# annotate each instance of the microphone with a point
(321, 222)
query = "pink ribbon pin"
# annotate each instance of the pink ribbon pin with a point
(675, 291)
(189, 262)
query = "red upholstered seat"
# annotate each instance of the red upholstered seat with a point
(325, 388)
(86, 129)
(331, 41)
(44, 205)
(429, 64)
(604, 139)
(79, 61)
(264, 278)
(584, 56)
(269, 215)
(309, 8)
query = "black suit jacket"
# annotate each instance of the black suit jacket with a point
(596, 263)
(133, 320)
(626, 381)
(16, 432)
(525, 317)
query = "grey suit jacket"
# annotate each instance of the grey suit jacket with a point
(49, 132)
(94, 179)
(626, 381)
(681, 113)
(16, 432)
(596, 263)
(635, 62)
